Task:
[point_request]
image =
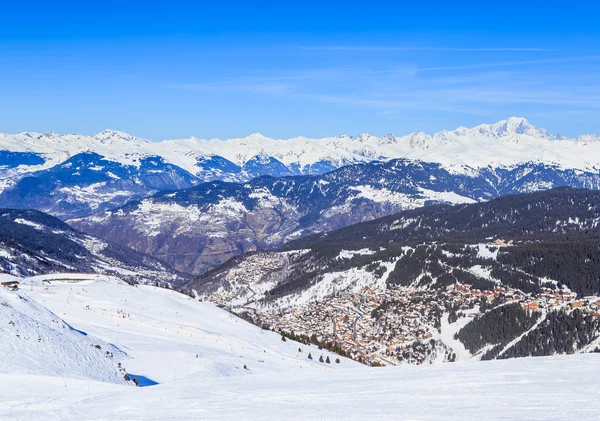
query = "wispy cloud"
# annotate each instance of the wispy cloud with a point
(401, 48)
(485, 65)
(396, 87)
(259, 87)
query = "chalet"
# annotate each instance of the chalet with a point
(12, 285)
(531, 306)
(576, 304)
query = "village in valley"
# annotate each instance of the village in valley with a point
(393, 325)
(404, 325)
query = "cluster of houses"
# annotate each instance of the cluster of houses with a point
(388, 325)
(550, 299)
(375, 326)
(398, 324)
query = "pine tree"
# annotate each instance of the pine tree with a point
(321, 359)
(309, 356)
(327, 360)
(337, 360)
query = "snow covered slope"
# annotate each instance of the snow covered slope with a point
(549, 388)
(196, 353)
(169, 336)
(35, 341)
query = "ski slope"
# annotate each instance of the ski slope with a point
(167, 335)
(34, 341)
(160, 332)
(548, 388)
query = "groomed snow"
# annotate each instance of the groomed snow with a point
(549, 388)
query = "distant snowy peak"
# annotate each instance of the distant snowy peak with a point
(257, 137)
(588, 138)
(504, 143)
(114, 136)
(504, 129)
(510, 127)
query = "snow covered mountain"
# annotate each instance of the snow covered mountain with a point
(96, 333)
(504, 143)
(34, 243)
(87, 183)
(74, 175)
(198, 228)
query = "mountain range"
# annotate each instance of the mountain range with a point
(82, 175)
(472, 244)
(196, 203)
(500, 144)
(201, 227)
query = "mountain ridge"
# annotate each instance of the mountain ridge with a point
(34, 243)
(145, 167)
(301, 152)
(218, 219)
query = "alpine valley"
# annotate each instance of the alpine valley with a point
(386, 250)
(512, 277)
(207, 268)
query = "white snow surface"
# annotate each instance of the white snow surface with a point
(548, 388)
(35, 341)
(504, 143)
(160, 332)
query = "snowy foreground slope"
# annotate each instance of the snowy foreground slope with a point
(34, 340)
(549, 388)
(161, 332)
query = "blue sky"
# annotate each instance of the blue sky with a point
(224, 69)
